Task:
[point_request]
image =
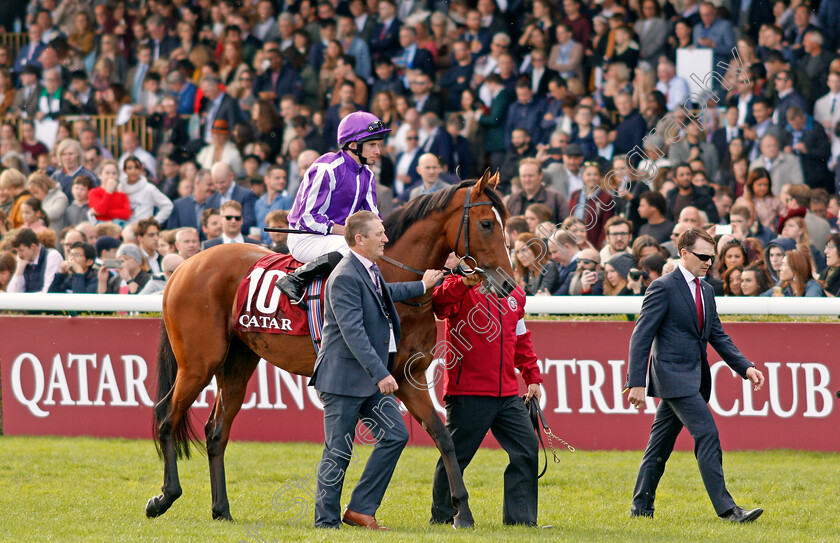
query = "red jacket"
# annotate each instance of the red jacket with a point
(109, 206)
(486, 339)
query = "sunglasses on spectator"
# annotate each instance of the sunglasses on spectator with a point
(232, 217)
(412, 138)
(586, 261)
(703, 258)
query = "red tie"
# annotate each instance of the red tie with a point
(698, 301)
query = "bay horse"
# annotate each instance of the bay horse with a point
(198, 340)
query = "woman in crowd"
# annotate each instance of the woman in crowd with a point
(81, 41)
(53, 200)
(30, 145)
(535, 271)
(115, 101)
(143, 196)
(615, 275)
(830, 276)
(385, 108)
(578, 231)
(652, 30)
(774, 253)
(592, 206)
(269, 127)
(8, 264)
(732, 281)
(582, 132)
(232, 66)
(731, 254)
(133, 274)
(760, 199)
(6, 203)
(754, 280)
(109, 50)
(536, 214)
(13, 182)
(7, 91)
(643, 246)
(326, 79)
(795, 277)
(33, 215)
(794, 228)
(734, 176)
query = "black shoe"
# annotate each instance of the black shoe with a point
(736, 514)
(294, 284)
(642, 514)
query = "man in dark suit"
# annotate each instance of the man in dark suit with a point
(161, 43)
(494, 120)
(458, 77)
(223, 180)
(26, 99)
(412, 57)
(811, 146)
(632, 129)
(564, 252)
(677, 320)
(353, 374)
(725, 134)
(385, 39)
(424, 99)
(279, 80)
(231, 219)
(187, 211)
(29, 53)
(216, 104)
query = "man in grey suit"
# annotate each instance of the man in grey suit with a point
(677, 320)
(353, 374)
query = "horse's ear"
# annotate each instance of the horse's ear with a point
(494, 180)
(480, 185)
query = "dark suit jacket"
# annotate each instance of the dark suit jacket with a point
(422, 61)
(667, 332)
(494, 122)
(721, 144)
(542, 85)
(228, 110)
(183, 212)
(218, 241)
(30, 104)
(247, 198)
(440, 145)
(456, 80)
(814, 162)
(433, 104)
(354, 346)
(21, 61)
(288, 82)
(385, 43)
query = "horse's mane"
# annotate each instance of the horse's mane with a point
(421, 207)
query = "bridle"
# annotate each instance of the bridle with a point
(459, 269)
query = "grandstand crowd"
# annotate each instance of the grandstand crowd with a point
(216, 108)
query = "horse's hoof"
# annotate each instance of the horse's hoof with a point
(152, 510)
(463, 523)
(222, 516)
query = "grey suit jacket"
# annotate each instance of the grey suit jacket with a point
(28, 105)
(354, 343)
(667, 332)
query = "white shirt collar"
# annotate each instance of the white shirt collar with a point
(366, 262)
(687, 275)
(237, 239)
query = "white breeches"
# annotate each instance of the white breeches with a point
(308, 247)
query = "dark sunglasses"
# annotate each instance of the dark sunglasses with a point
(232, 217)
(586, 261)
(412, 138)
(704, 258)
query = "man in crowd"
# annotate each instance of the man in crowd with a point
(186, 242)
(223, 178)
(686, 194)
(275, 197)
(231, 212)
(533, 192)
(77, 273)
(36, 266)
(652, 208)
(147, 231)
(618, 235)
(428, 166)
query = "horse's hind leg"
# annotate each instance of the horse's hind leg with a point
(232, 380)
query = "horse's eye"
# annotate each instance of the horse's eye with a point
(487, 225)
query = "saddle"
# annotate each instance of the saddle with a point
(262, 308)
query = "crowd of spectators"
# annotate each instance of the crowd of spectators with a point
(565, 99)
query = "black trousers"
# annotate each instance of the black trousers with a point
(468, 419)
(672, 414)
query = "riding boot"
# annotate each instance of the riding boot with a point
(294, 284)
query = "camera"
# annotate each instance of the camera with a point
(635, 274)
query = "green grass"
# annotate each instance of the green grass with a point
(74, 489)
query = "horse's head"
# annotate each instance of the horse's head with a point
(475, 231)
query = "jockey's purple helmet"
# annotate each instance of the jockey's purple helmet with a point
(360, 126)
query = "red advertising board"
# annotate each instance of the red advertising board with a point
(97, 377)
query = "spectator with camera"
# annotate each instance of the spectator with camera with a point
(133, 272)
(640, 277)
(588, 279)
(77, 273)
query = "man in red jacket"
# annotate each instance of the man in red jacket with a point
(486, 341)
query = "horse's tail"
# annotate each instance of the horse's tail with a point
(183, 433)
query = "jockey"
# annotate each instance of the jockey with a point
(334, 187)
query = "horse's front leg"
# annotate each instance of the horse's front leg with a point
(415, 396)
